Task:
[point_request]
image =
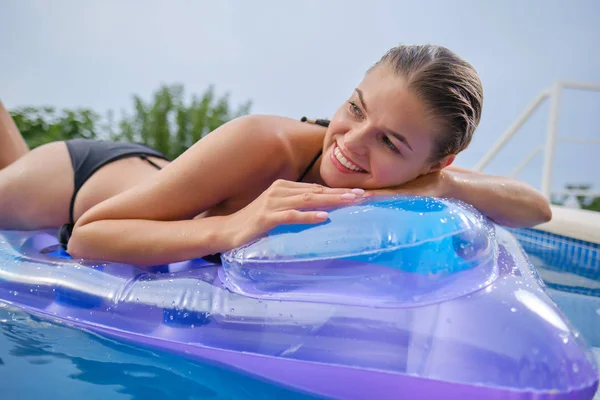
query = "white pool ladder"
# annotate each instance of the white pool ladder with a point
(554, 94)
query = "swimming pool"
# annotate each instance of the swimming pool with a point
(71, 364)
(571, 270)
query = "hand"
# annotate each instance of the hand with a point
(434, 184)
(285, 202)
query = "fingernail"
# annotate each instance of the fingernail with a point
(358, 192)
(348, 196)
(322, 215)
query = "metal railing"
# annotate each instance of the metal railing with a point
(554, 94)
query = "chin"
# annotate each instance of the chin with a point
(336, 179)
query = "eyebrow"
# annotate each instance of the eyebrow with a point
(394, 134)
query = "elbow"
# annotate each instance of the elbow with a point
(538, 208)
(77, 247)
(540, 212)
(545, 212)
(536, 212)
(74, 247)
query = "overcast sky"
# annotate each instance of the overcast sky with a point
(297, 58)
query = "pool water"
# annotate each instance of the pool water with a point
(571, 270)
(46, 360)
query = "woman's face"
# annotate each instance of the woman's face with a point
(382, 137)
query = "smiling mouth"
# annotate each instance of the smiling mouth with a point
(345, 163)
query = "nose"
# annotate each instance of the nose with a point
(355, 141)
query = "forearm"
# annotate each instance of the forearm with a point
(146, 243)
(506, 201)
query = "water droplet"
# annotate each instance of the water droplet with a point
(565, 340)
(193, 326)
(575, 367)
(16, 293)
(231, 309)
(598, 311)
(512, 309)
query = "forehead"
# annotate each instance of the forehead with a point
(391, 105)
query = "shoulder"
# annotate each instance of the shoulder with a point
(275, 128)
(283, 138)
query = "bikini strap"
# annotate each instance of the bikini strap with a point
(322, 122)
(312, 163)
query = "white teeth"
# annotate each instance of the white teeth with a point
(344, 161)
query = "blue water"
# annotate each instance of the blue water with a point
(45, 360)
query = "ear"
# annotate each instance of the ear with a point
(443, 163)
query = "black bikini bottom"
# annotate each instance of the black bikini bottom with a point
(88, 156)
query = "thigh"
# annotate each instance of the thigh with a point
(36, 190)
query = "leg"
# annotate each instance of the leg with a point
(36, 189)
(12, 144)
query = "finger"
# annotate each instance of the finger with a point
(301, 217)
(320, 189)
(317, 200)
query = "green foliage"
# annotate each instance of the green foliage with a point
(165, 123)
(594, 205)
(43, 125)
(586, 202)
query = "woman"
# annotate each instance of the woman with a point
(398, 132)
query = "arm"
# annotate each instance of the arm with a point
(154, 222)
(505, 201)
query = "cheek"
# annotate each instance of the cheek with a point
(393, 172)
(340, 121)
(387, 172)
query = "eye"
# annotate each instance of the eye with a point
(356, 110)
(388, 143)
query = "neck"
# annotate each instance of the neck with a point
(314, 174)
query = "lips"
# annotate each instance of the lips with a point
(343, 163)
